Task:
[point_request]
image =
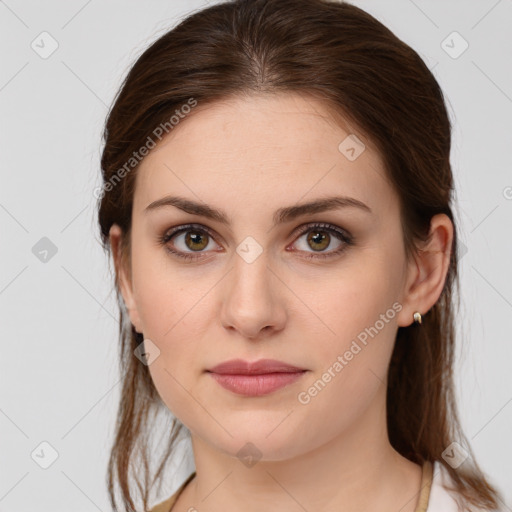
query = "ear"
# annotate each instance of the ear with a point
(123, 276)
(427, 272)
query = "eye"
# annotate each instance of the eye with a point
(319, 237)
(193, 238)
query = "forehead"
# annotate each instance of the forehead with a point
(262, 150)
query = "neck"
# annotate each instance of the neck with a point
(357, 470)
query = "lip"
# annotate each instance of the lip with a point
(255, 378)
(260, 367)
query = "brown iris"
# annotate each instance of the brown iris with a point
(195, 239)
(318, 238)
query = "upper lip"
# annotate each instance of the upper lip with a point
(262, 366)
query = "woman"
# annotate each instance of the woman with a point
(277, 199)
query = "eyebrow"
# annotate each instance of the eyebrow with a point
(281, 215)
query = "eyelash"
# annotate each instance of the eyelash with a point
(342, 235)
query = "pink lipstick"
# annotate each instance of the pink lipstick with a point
(256, 378)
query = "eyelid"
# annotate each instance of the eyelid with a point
(187, 227)
(321, 225)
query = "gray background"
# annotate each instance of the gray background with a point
(59, 381)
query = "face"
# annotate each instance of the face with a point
(321, 291)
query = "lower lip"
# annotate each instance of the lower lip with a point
(256, 385)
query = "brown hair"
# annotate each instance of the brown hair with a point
(342, 56)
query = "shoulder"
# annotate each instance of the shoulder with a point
(441, 498)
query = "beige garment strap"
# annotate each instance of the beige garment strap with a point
(426, 484)
(167, 505)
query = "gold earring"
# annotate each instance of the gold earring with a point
(417, 317)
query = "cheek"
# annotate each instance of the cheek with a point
(357, 315)
(173, 313)
(176, 371)
(351, 365)
(352, 300)
(163, 294)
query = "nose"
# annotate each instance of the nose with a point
(253, 301)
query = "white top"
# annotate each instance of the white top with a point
(442, 500)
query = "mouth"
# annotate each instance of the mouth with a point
(257, 378)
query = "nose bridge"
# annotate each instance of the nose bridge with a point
(251, 272)
(249, 304)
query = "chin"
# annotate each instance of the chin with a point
(250, 445)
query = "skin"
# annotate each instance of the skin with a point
(250, 156)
